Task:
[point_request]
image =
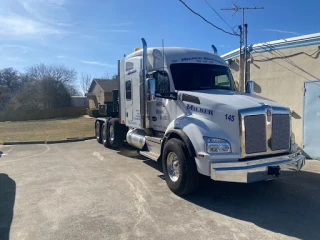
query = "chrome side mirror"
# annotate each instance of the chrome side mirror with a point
(250, 87)
(151, 89)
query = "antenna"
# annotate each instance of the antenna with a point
(214, 49)
(162, 55)
(243, 43)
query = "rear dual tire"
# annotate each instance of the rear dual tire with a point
(113, 133)
(98, 131)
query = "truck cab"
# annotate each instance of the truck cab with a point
(181, 107)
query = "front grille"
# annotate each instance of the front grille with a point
(255, 133)
(280, 132)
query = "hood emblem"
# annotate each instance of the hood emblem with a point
(269, 115)
(269, 112)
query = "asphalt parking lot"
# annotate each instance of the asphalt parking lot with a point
(83, 191)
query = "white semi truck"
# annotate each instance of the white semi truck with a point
(180, 106)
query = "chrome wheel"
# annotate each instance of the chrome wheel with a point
(97, 130)
(173, 166)
(111, 133)
(104, 133)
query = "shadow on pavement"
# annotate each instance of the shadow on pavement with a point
(153, 164)
(129, 151)
(290, 206)
(1, 153)
(7, 198)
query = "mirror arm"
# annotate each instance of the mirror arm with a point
(250, 87)
(151, 89)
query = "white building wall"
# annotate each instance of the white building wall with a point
(280, 74)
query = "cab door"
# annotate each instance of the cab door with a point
(165, 108)
(132, 92)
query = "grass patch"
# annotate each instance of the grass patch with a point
(46, 130)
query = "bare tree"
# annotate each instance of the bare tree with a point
(114, 77)
(59, 73)
(11, 79)
(106, 75)
(46, 87)
(44, 94)
(109, 76)
(85, 82)
(73, 91)
(11, 82)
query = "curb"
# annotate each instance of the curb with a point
(50, 142)
(27, 142)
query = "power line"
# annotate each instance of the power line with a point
(219, 15)
(236, 31)
(270, 59)
(233, 34)
(281, 56)
(294, 54)
(276, 63)
(286, 59)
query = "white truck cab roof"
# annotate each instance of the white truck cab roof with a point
(158, 60)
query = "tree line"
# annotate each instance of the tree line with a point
(40, 87)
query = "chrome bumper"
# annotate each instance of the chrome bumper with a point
(257, 170)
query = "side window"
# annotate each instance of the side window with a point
(162, 81)
(129, 66)
(222, 81)
(128, 90)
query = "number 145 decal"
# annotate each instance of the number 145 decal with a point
(229, 117)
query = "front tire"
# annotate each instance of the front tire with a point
(179, 168)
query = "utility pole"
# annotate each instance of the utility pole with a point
(245, 72)
(241, 60)
(243, 44)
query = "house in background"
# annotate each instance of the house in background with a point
(100, 91)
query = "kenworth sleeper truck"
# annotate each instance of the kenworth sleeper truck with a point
(180, 106)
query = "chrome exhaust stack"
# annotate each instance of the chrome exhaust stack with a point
(143, 85)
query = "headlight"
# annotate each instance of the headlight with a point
(217, 145)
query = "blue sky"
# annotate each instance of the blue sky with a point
(91, 35)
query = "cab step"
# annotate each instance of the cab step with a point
(154, 148)
(150, 155)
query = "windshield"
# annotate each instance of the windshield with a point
(194, 76)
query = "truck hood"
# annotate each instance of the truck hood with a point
(233, 99)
